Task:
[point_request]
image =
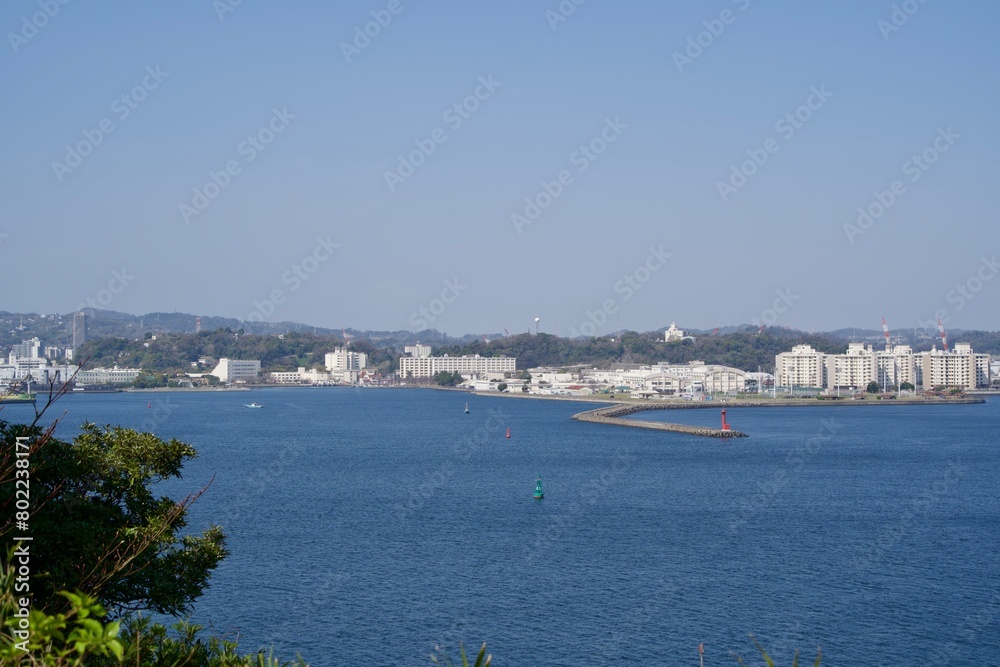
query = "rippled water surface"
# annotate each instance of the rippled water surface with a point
(366, 526)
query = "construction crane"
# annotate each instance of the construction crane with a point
(944, 339)
(885, 328)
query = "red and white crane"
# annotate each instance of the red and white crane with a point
(885, 328)
(944, 339)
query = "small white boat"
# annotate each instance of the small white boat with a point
(252, 405)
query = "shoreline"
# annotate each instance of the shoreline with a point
(731, 402)
(646, 404)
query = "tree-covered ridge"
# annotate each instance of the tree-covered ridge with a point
(175, 352)
(747, 351)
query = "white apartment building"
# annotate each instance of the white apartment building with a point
(236, 370)
(343, 360)
(418, 350)
(896, 366)
(961, 368)
(802, 367)
(862, 364)
(469, 366)
(852, 370)
(107, 376)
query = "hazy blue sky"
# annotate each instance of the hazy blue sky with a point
(201, 78)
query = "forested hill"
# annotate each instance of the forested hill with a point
(176, 352)
(747, 351)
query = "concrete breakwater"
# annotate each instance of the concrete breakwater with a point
(612, 415)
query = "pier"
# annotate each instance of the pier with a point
(612, 415)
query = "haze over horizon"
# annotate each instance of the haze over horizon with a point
(475, 167)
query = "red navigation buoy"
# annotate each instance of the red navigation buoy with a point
(508, 432)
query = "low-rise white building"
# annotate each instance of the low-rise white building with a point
(237, 370)
(107, 375)
(301, 376)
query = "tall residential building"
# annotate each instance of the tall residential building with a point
(468, 366)
(802, 367)
(418, 350)
(236, 370)
(863, 364)
(341, 359)
(79, 329)
(959, 368)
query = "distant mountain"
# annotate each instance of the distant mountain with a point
(57, 329)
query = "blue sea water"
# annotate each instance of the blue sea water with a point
(367, 526)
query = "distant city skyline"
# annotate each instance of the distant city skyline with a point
(469, 168)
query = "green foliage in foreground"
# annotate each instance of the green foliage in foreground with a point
(770, 662)
(79, 637)
(96, 523)
(482, 660)
(446, 379)
(98, 528)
